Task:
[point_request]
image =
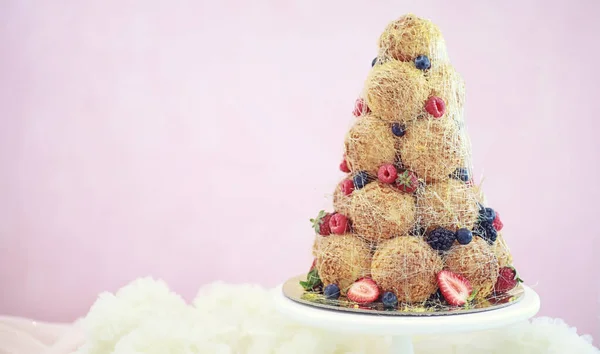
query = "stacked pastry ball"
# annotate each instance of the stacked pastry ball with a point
(407, 220)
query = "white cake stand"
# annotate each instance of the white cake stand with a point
(400, 328)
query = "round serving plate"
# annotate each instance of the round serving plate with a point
(294, 291)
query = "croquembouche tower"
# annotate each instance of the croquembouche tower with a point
(408, 225)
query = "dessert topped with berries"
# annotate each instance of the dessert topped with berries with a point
(408, 224)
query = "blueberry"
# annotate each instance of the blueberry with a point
(374, 62)
(360, 179)
(464, 236)
(332, 292)
(398, 129)
(389, 299)
(422, 62)
(461, 173)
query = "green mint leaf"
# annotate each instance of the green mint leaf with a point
(312, 280)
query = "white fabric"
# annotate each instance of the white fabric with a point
(146, 317)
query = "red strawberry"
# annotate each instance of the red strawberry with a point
(338, 224)
(407, 182)
(497, 223)
(360, 108)
(435, 106)
(455, 288)
(347, 186)
(321, 223)
(363, 291)
(344, 166)
(387, 173)
(507, 279)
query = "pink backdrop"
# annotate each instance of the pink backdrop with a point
(192, 141)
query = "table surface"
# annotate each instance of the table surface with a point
(339, 321)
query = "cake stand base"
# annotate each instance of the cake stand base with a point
(402, 344)
(402, 328)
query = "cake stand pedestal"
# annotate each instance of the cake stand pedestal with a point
(402, 328)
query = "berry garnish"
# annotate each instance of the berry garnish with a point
(507, 280)
(387, 173)
(321, 223)
(398, 129)
(486, 214)
(338, 224)
(332, 292)
(435, 106)
(407, 182)
(389, 300)
(497, 223)
(363, 291)
(374, 62)
(486, 231)
(344, 166)
(422, 62)
(360, 179)
(360, 108)
(464, 236)
(455, 288)
(461, 173)
(347, 186)
(441, 239)
(437, 295)
(314, 264)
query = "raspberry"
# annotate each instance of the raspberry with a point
(435, 106)
(387, 173)
(344, 166)
(347, 186)
(497, 223)
(338, 224)
(360, 108)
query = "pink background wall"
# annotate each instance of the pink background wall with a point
(192, 141)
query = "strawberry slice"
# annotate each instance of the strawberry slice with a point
(455, 288)
(363, 291)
